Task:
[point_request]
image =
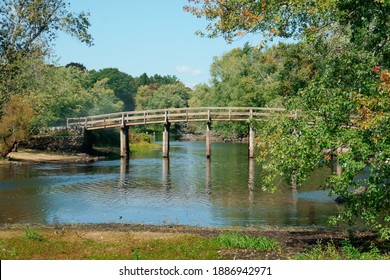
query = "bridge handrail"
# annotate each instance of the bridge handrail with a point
(124, 118)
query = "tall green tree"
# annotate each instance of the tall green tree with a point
(162, 96)
(145, 80)
(256, 77)
(63, 92)
(27, 30)
(29, 26)
(102, 99)
(157, 96)
(344, 107)
(121, 83)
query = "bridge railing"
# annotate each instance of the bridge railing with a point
(174, 115)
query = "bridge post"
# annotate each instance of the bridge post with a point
(251, 142)
(337, 169)
(336, 166)
(125, 146)
(87, 141)
(208, 139)
(165, 147)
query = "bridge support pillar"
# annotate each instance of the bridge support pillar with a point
(165, 147)
(208, 139)
(125, 146)
(337, 169)
(87, 141)
(336, 166)
(251, 142)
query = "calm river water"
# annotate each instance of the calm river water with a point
(188, 189)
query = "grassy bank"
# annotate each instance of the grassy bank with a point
(121, 241)
(143, 147)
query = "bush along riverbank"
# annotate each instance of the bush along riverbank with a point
(126, 241)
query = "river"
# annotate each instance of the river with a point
(187, 189)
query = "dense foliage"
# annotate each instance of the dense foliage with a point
(121, 83)
(344, 106)
(257, 77)
(156, 96)
(27, 29)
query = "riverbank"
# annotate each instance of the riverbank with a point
(32, 155)
(38, 156)
(131, 241)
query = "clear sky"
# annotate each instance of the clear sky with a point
(144, 36)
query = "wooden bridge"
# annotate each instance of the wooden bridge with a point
(124, 120)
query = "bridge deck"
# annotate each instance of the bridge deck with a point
(175, 115)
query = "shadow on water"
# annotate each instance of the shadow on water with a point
(187, 189)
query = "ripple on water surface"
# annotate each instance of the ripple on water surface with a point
(186, 189)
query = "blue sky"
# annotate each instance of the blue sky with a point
(148, 36)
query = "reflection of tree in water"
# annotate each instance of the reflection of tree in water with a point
(312, 215)
(226, 189)
(20, 197)
(293, 206)
(251, 205)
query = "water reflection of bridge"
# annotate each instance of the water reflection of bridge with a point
(124, 120)
(166, 176)
(167, 181)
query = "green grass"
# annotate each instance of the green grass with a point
(42, 245)
(77, 244)
(32, 235)
(241, 241)
(143, 147)
(346, 252)
(188, 248)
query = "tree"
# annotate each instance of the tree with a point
(286, 18)
(202, 95)
(77, 65)
(15, 124)
(257, 77)
(121, 83)
(346, 102)
(157, 96)
(166, 96)
(61, 92)
(145, 80)
(29, 26)
(103, 99)
(27, 30)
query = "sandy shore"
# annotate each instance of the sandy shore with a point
(35, 156)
